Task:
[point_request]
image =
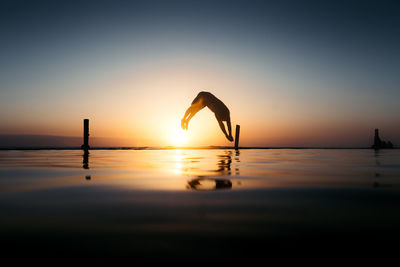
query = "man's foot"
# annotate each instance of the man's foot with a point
(230, 138)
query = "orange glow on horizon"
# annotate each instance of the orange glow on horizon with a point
(145, 108)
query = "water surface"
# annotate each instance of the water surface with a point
(174, 204)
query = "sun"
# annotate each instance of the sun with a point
(178, 137)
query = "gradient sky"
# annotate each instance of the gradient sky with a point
(293, 73)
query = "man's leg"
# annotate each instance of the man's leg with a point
(228, 122)
(222, 126)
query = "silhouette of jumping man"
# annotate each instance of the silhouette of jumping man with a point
(206, 99)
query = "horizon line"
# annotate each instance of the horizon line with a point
(177, 147)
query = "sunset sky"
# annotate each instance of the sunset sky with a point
(293, 73)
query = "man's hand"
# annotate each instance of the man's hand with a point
(184, 124)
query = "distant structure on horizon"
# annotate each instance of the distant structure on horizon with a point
(378, 143)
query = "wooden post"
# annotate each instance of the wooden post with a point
(237, 136)
(85, 134)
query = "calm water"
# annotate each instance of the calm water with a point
(198, 204)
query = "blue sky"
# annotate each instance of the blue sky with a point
(322, 71)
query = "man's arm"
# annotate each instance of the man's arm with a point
(183, 121)
(190, 112)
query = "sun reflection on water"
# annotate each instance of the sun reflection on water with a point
(196, 169)
(178, 162)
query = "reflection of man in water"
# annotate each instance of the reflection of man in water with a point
(206, 99)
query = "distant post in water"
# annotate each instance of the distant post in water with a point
(237, 136)
(85, 134)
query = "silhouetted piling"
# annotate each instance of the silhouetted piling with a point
(237, 136)
(85, 134)
(378, 143)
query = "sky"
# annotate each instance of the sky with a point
(292, 73)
